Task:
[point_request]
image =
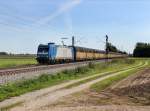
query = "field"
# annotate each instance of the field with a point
(16, 61)
(90, 88)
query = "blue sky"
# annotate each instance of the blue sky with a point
(24, 24)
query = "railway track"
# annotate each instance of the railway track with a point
(10, 75)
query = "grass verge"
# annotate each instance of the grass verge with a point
(18, 88)
(95, 77)
(112, 80)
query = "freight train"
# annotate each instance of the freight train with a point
(52, 54)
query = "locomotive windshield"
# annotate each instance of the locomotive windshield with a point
(42, 53)
(43, 49)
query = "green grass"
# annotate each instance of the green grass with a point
(85, 81)
(9, 62)
(18, 88)
(95, 77)
(112, 80)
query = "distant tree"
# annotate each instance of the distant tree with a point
(123, 52)
(142, 50)
(3, 53)
(112, 48)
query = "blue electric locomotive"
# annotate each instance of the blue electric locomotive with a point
(52, 53)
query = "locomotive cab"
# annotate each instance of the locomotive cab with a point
(52, 54)
(42, 54)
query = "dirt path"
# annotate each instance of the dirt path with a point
(34, 102)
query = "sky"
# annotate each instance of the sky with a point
(24, 24)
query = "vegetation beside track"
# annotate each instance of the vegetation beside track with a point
(114, 79)
(15, 61)
(95, 77)
(18, 88)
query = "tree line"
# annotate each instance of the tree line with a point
(142, 50)
(112, 48)
(11, 54)
(3, 53)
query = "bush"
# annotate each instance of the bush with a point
(43, 78)
(91, 65)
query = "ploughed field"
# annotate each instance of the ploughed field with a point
(16, 61)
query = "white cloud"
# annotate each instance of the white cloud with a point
(62, 9)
